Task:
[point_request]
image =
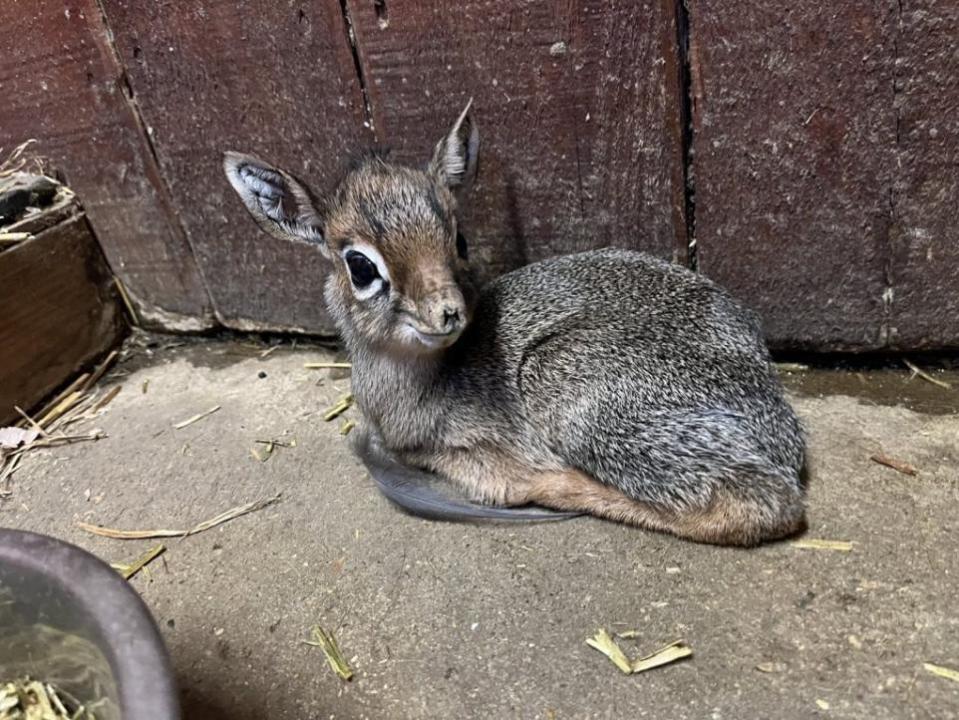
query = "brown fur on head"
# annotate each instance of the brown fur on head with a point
(400, 280)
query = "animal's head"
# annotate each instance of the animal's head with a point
(400, 280)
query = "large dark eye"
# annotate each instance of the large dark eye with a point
(362, 270)
(461, 245)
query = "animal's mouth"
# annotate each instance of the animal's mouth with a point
(433, 340)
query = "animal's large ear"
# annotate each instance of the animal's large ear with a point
(281, 205)
(454, 159)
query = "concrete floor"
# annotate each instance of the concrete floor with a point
(457, 621)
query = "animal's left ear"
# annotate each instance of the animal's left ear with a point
(455, 157)
(281, 205)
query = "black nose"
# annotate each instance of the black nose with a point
(451, 316)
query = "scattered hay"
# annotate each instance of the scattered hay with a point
(340, 407)
(12, 238)
(128, 571)
(265, 453)
(328, 365)
(19, 160)
(78, 401)
(606, 645)
(925, 376)
(670, 653)
(28, 699)
(223, 517)
(196, 418)
(331, 649)
(943, 672)
(817, 544)
(663, 656)
(127, 302)
(770, 667)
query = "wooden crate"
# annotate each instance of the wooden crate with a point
(58, 309)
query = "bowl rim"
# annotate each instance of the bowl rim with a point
(134, 649)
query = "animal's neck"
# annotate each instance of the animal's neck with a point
(401, 397)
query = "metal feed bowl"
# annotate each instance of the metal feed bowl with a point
(69, 619)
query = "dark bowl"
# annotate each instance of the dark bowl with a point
(69, 619)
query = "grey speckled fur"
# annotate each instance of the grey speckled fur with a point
(642, 374)
(608, 382)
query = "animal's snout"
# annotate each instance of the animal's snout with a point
(451, 316)
(445, 311)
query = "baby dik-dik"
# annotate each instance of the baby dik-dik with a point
(608, 382)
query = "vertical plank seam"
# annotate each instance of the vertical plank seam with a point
(892, 226)
(686, 129)
(351, 38)
(162, 188)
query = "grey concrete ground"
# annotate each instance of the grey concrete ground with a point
(456, 621)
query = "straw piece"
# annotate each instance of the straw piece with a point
(15, 161)
(68, 402)
(196, 418)
(134, 318)
(606, 645)
(128, 571)
(223, 517)
(106, 399)
(100, 370)
(942, 671)
(57, 440)
(33, 423)
(926, 376)
(12, 238)
(341, 406)
(816, 544)
(69, 390)
(332, 365)
(331, 649)
(665, 655)
(262, 455)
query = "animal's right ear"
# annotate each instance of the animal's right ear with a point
(455, 156)
(281, 205)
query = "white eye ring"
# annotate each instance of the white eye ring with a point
(374, 256)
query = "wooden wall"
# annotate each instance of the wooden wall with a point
(809, 151)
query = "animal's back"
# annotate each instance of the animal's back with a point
(644, 375)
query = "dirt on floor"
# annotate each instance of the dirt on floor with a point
(467, 621)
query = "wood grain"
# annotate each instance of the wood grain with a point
(275, 79)
(62, 85)
(792, 114)
(824, 156)
(577, 108)
(924, 232)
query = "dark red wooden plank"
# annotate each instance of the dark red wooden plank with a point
(924, 271)
(793, 122)
(577, 105)
(273, 78)
(59, 312)
(61, 84)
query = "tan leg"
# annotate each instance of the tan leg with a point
(726, 521)
(731, 521)
(495, 478)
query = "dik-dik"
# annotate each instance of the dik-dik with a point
(607, 382)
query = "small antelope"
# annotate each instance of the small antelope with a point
(608, 382)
